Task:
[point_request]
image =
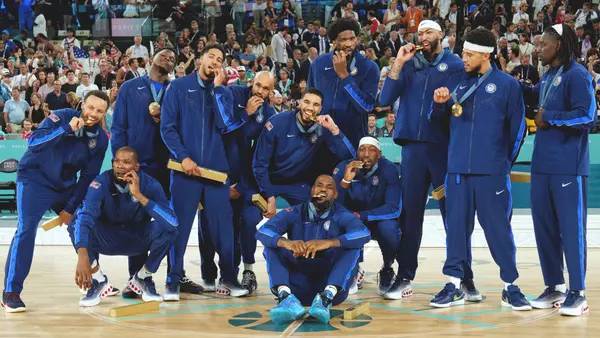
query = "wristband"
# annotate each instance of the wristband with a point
(347, 182)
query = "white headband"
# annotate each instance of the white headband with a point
(558, 28)
(426, 24)
(369, 140)
(477, 48)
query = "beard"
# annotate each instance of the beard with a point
(433, 45)
(321, 206)
(162, 70)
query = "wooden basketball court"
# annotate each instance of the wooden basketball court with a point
(52, 299)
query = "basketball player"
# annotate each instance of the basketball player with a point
(67, 143)
(560, 168)
(317, 259)
(196, 113)
(369, 186)
(487, 127)
(125, 212)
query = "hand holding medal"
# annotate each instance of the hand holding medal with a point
(154, 109)
(340, 64)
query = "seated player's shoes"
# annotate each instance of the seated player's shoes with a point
(515, 299)
(353, 288)
(115, 292)
(449, 296)
(288, 309)
(320, 307)
(95, 294)
(144, 287)
(187, 285)
(128, 293)
(12, 303)
(471, 293)
(401, 288)
(357, 283)
(171, 292)
(549, 298)
(233, 289)
(574, 305)
(209, 285)
(249, 281)
(386, 279)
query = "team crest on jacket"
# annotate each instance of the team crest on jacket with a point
(259, 118)
(326, 225)
(490, 88)
(557, 81)
(92, 143)
(375, 180)
(442, 67)
(313, 138)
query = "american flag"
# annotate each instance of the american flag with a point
(80, 53)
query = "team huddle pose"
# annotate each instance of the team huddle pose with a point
(460, 123)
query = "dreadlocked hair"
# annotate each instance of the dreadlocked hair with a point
(567, 52)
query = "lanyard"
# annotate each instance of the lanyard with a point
(546, 89)
(472, 89)
(157, 96)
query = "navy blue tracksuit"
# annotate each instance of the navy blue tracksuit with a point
(424, 148)
(377, 196)
(484, 142)
(112, 222)
(194, 116)
(559, 172)
(47, 179)
(133, 126)
(240, 145)
(335, 266)
(349, 101)
(285, 162)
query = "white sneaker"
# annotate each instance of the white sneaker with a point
(233, 289)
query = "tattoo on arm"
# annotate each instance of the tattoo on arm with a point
(395, 72)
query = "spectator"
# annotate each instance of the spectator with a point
(71, 84)
(392, 16)
(85, 86)
(48, 87)
(521, 14)
(372, 123)
(584, 16)
(132, 73)
(139, 50)
(39, 23)
(388, 129)
(321, 42)
(105, 78)
(15, 111)
(278, 44)
(57, 99)
(36, 111)
(27, 129)
(413, 17)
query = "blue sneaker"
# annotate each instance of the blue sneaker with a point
(320, 307)
(171, 292)
(386, 279)
(12, 303)
(449, 296)
(144, 287)
(515, 299)
(574, 305)
(288, 309)
(549, 299)
(95, 294)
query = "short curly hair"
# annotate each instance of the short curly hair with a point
(342, 25)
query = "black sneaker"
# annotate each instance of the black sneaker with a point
(129, 294)
(249, 281)
(386, 279)
(12, 303)
(187, 285)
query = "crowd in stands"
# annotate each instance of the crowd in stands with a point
(41, 71)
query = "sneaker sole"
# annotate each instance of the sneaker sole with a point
(104, 293)
(170, 298)
(543, 305)
(516, 308)
(446, 305)
(474, 299)
(224, 291)
(145, 296)
(11, 310)
(398, 295)
(281, 316)
(574, 312)
(316, 314)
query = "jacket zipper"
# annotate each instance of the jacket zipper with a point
(471, 138)
(202, 139)
(421, 114)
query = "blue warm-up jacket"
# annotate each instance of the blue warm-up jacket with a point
(286, 152)
(106, 204)
(300, 223)
(415, 88)
(486, 138)
(55, 155)
(132, 124)
(571, 111)
(194, 116)
(375, 194)
(241, 143)
(348, 101)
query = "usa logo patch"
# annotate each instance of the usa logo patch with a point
(95, 185)
(557, 81)
(335, 171)
(269, 126)
(53, 117)
(288, 209)
(490, 88)
(326, 225)
(375, 180)
(442, 67)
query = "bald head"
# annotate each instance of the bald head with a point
(263, 84)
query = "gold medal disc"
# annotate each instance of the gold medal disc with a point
(456, 110)
(154, 108)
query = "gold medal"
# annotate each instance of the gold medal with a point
(154, 108)
(456, 110)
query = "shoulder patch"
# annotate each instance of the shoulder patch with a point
(268, 125)
(95, 185)
(54, 117)
(288, 209)
(335, 171)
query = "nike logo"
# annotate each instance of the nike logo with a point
(462, 87)
(192, 90)
(140, 88)
(240, 106)
(566, 184)
(291, 135)
(328, 68)
(499, 192)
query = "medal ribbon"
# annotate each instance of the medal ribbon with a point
(472, 89)
(546, 89)
(157, 96)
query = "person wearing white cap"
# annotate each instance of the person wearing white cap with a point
(413, 77)
(369, 186)
(560, 168)
(487, 128)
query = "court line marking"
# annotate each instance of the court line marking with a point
(292, 328)
(191, 309)
(433, 315)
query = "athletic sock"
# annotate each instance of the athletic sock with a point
(143, 273)
(249, 267)
(455, 281)
(331, 290)
(506, 285)
(561, 288)
(284, 289)
(99, 276)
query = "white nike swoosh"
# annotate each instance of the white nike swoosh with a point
(140, 88)
(462, 87)
(499, 192)
(291, 135)
(192, 90)
(240, 106)
(564, 185)
(328, 68)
